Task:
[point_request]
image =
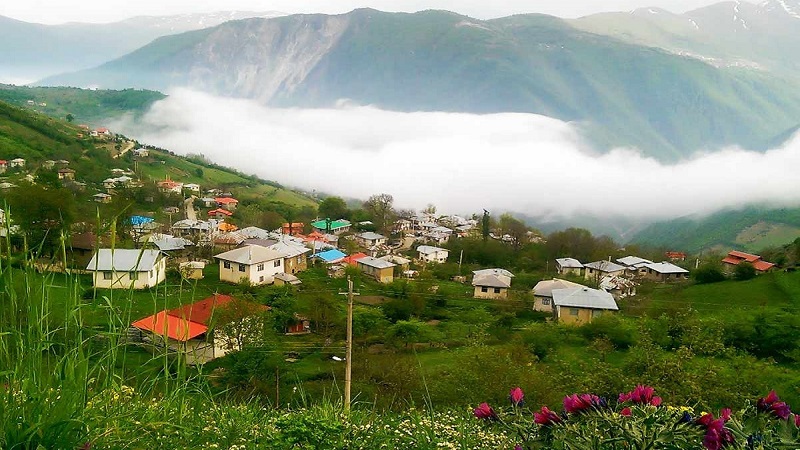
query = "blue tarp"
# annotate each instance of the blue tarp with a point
(330, 255)
(141, 220)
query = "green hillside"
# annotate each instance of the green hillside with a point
(92, 107)
(619, 93)
(749, 229)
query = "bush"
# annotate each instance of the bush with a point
(744, 271)
(708, 274)
(620, 332)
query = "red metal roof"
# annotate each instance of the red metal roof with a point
(200, 312)
(745, 256)
(731, 260)
(220, 211)
(354, 257)
(763, 266)
(225, 200)
(173, 327)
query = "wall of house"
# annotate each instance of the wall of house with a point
(664, 277)
(541, 303)
(251, 272)
(381, 275)
(437, 257)
(122, 280)
(570, 271)
(490, 293)
(596, 275)
(295, 264)
(585, 315)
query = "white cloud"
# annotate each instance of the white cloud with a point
(462, 162)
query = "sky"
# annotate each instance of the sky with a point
(60, 11)
(462, 163)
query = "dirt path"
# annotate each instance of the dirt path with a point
(128, 147)
(191, 214)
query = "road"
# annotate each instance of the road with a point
(188, 204)
(128, 147)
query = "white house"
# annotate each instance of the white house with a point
(543, 292)
(16, 162)
(141, 152)
(251, 263)
(566, 266)
(370, 239)
(491, 283)
(429, 253)
(599, 269)
(125, 268)
(192, 187)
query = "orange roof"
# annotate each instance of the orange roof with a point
(354, 257)
(763, 266)
(200, 312)
(224, 212)
(227, 227)
(226, 200)
(173, 327)
(745, 256)
(731, 260)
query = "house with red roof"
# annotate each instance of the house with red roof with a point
(734, 258)
(219, 214)
(352, 260)
(228, 203)
(168, 186)
(3, 165)
(186, 329)
(293, 228)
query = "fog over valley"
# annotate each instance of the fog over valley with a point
(523, 163)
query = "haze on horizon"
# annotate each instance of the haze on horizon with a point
(523, 163)
(95, 11)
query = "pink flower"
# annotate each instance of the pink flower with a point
(773, 405)
(575, 404)
(625, 412)
(516, 396)
(642, 395)
(797, 420)
(484, 411)
(546, 417)
(717, 436)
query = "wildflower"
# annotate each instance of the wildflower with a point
(717, 436)
(625, 412)
(797, 420)
(576, 404)
(484, 411)
(772, 404)
(516, 397)
(642, 395)
(546, 417)
(517, 447)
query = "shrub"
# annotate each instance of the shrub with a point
(620, 332)
(708, 274)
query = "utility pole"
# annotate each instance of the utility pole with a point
(348, 368)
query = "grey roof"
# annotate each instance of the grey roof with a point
(370, 236)
(545, 288)
(502, 272)
(262, 242)
(166, 242)
(569, 263)
(428, 249)
(375, 262)
(250, 254)
(633, 261)
(396, 259)
(584, 297)
(254, 233)
(287, 278)
(124, 260)
(665, 267)
(187, 224)
(604, 266)
(289, 249)
(492, 280)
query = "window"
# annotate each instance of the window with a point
(226, 264)
(596, 313)
(261, 279)
(134, 275)
(277, 263)
(299, 260)
(546, 301)
(260, 267)
(484, 289)
(107, 276)
(496, 290)
(242, 268)
(573, 311)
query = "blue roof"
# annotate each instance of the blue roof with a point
(330, 255)
(139, 220)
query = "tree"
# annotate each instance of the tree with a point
(242, 324)
(430, 209)
(744, 271)
(514, 227)
(380, 208)
(43, 214)
(333, 208)
(70, 118)
(485, 225)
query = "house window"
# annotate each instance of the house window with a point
(496, 290)
(108, 276)
(277, 263)
(484, 289)
(299, 259)
(242, 268)
(133, 275)
(260, 267)
(226, 264)
(596, 313)
(573, 311)
(261, 279)
(546, 301)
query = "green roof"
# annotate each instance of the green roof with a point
(335, 224)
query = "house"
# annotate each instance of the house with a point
(582, 304)
(109, 183)
(168, 186)
(101, 132)
(300, 325)
(102, 198)
(567, 266)
(251, 264)
(256, 233)
(227, 203)
(188, 227)
(3, 165)
(141, 152)
(48, 164)
(330, 256)
(192, 187)
(676, 256)
(16, 162)
(66, 174)
(81, 248)
(382, 271)
(665, 271)
(229, 240)
(284, 278)
(219, 214)
(295, 259)
(226, 227)
(192, 270)
(352, 259)
(543, 292)
(431, 254)
(618, 286)
(125, 268)
(175, 247)
(208, 202)
(401, 262)
(734, 258)
(187, 329)
(491, 283)
(634, 264)
(331, 226)
(292, 228)
(370, 239)
(599, 269)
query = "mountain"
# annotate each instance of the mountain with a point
(751, 229)
(764, 37)
(618, 93)
(30, 51)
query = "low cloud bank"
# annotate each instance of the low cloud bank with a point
(462, 162)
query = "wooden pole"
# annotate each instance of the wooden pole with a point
(349, 355)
